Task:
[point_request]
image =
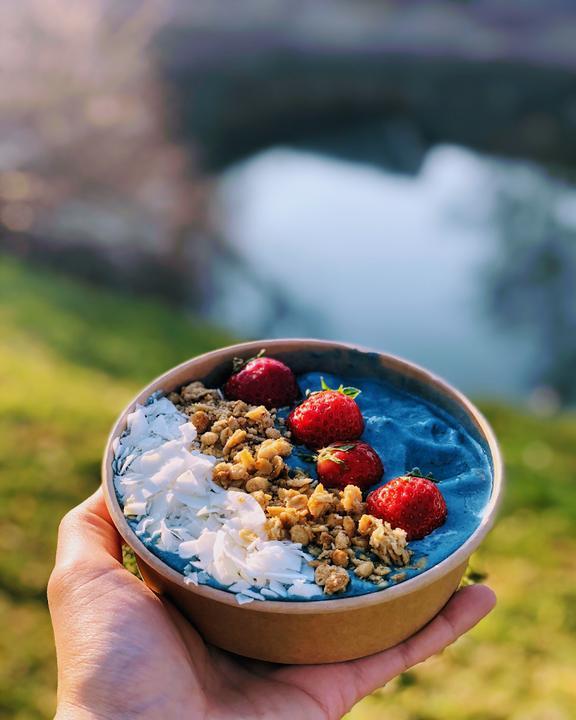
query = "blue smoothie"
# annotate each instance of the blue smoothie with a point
(407, 432)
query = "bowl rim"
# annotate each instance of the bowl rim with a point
(427, 577)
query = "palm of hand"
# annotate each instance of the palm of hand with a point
(123, 652)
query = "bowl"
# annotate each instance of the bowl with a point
(327, 630)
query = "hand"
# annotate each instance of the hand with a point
(123, 652)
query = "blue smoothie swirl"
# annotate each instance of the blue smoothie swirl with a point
(407, 432)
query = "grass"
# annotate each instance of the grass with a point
(72, 356)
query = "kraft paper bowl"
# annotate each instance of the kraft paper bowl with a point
(327, 630)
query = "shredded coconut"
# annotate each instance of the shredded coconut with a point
(167, 487)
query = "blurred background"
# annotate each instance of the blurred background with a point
(175, 176)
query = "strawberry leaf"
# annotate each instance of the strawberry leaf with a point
(307, 457)
(351, 392)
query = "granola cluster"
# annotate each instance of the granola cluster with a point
(252, 444)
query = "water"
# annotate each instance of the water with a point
(393, 262)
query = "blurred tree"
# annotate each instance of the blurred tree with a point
(533, 284)
(88, 160)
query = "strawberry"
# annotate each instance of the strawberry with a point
(342, 464)
(327, 416)
(410, 502)
(262, 381)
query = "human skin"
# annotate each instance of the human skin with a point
(124, 652)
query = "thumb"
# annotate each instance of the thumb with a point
(87, 536)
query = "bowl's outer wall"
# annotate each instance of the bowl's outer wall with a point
(313, 638)
(328, 630)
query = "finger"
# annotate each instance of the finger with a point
(358, 678)
(87, 534)
(466, 608)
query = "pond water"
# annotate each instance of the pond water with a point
(339, 250)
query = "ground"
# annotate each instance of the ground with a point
(72, 356)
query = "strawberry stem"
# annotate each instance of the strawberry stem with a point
(416, 472)
(329, 453)
(238, 363)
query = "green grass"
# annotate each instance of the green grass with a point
(70, 359)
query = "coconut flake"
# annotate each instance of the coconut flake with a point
(304, 590)
(242, 599)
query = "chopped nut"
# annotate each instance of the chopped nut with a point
(289, 517)
(365, 569)
(257, 414)
(271, 432)
(299, 482)
(221, 474)
(398, 577)
(381, 570)
(269, 448)
(320, 501)
(263, 466)
(342, 541)
(360, 542)
(195, 391)
(349, 526)
(239, 472)
(337, 580)
(233, 423)
(246, 458)
(352, 499)
(237, 437)
(334, 520)
(275, 529)
(277, 466)
(298, 502)
(239, 408)
(300, 534)
(261, 497)
(367, 524)
(209, 438)
(219, 425)
(340, 557)
(201, 421)
(321, 573)
(389, 545)
(257, 483)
